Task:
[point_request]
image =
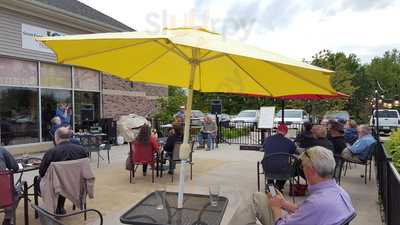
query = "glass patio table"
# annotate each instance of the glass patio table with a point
(196, 211)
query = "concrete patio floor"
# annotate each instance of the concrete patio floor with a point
(234, 170)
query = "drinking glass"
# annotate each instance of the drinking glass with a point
(161, 194)
(214, 190)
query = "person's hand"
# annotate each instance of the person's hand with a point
(277, 201)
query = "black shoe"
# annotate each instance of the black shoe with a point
(144, 174)
(61, 211)
(7, 222)
(170, 172)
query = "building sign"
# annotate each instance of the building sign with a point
(28, 32)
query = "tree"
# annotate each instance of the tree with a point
(346, 69)
(169, 105)
(386, 70)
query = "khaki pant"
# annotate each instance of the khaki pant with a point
(348, 155)
(255, 208)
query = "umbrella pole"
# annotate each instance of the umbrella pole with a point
(185, 150)
(283, 111)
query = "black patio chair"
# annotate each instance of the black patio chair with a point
(337, 174)
(366, 163)
(349, 219)
(47, 218)
(175, 159)
(287, 169)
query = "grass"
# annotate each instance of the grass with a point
(231, 133)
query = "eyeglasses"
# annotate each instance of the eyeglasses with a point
(308, 156)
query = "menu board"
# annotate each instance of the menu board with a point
(266, 119)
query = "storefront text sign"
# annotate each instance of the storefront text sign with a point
(28, 33)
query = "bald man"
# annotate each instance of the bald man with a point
(63, 151)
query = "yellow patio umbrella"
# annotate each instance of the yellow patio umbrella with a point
(192, 58)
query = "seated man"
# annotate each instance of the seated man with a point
(336, 131)
(208, 132)
(359, 151)
(7, 161)
(327, 203)
(320, 138)
(63, 151)
(278, 143)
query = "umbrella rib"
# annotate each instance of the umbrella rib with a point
(150, 63)
(248, 74)
(104, 51)
(205, 54)
(298, 76)
(177, 51)
(213, 57)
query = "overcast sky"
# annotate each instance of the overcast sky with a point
(295, 28)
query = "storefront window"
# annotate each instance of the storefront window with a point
(86, 79)
(17, 72)
(55, 76)
(19, 121)
(55, 103)
(87, 109)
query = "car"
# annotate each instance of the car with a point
(197, 118)
(336, 115)
(223, 118)
(246, 118)
(291, 116)
(389, 120)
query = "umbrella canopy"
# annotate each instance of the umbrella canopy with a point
(166, 58)
(192, 58)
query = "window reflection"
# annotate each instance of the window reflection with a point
(55, 76)
(55, 102)
(87, 109)
(19, 121)
(86, 79)
(17, 72)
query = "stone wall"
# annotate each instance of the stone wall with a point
(121, 97)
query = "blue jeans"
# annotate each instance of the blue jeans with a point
(210, 139)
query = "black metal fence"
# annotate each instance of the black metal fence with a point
(388, 180)
(243, 133)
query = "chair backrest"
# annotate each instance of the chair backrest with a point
(6, 188)
(45, 217)
(349, 219)
(279, 166)
(371, 150)
(175, 151)
(337, 173)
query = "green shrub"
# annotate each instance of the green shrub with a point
(392, 147)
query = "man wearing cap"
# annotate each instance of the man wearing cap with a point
(278, 143)
(181, 113)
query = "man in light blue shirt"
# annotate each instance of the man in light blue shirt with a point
(327, 204)
(360, 150)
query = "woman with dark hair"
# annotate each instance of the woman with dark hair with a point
(174, 136)
(144, 147)
(305, 138)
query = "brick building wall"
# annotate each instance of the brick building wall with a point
(121, 97)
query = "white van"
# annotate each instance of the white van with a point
(389, 119)
(292, 116)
